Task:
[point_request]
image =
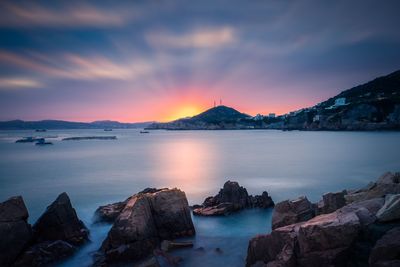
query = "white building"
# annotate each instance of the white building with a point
(340, 101)
(258, 117)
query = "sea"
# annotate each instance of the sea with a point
(286, 164)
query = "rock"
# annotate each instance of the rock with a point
(332, 202)
(110, 212)
(386, 251)
(45, 253)
(390, 210)
(292, 211)
(60, 222)
(388, 183)
(151, 262)
(146, 219)
(167, 245)
(232, 197)
(321, 241)
(219, 250)
(15, 232)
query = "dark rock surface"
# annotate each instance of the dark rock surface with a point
(60, 222)
(292, 211)
(386, 251)
(146, 219)
(15, 232)
(232, 197)
(349, 236)
(45, 253)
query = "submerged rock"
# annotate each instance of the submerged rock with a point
(232, 197)
(60, 222)
(146, 219)
(15, 232)
(292, 211)
(167, 245)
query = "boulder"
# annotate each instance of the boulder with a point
(15, 232)
(324, 240)
(292, 211)
(232, 197)
(146, 219)
(390, 210)
(60, 222)
(386, 251)
(167, 245)
(331, 202)
(45, 253)
(388, 183)
(108, 213)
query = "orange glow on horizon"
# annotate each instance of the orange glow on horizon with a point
(179, 112)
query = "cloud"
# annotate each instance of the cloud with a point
(18, 83)
(201, 38)
(76, 67)
(34, 15)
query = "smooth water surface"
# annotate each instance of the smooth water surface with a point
(97, 172)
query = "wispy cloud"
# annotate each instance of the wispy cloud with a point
(18, 83)
(200, 38)
(77, 67)
(34, 15)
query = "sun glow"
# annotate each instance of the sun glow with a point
(183, 112)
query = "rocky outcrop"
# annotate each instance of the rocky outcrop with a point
(388, 183)
(54, 236)
(292, 211)
(60, 222)
(386, 251)
(146, 219)
(232, 197)
(15, 232)
(108, 213)
(347, 236)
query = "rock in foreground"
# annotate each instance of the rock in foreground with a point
(15, 232)
(60, 222)
(146, 219)
(348, 236)
(232, 197)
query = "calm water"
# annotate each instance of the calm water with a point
(286, 164)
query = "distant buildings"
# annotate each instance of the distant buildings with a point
(260, 117)
(341, 101)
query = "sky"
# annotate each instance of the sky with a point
(160, 60)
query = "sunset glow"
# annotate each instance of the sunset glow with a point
(136, 61)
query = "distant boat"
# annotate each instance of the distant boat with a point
(108, 130)
(42, 142)
(143, 132)
(41, 130)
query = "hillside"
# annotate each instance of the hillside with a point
(374, 105)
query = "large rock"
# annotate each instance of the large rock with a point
(15, 232)
(146, 219)
(60, 222)
(232, 197)
(322, 241)
(390, 210)
(388, 183)
(292, 211)
(386, 251)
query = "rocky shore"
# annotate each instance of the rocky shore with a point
(232, 197)
(56, 235)
(348, 228)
